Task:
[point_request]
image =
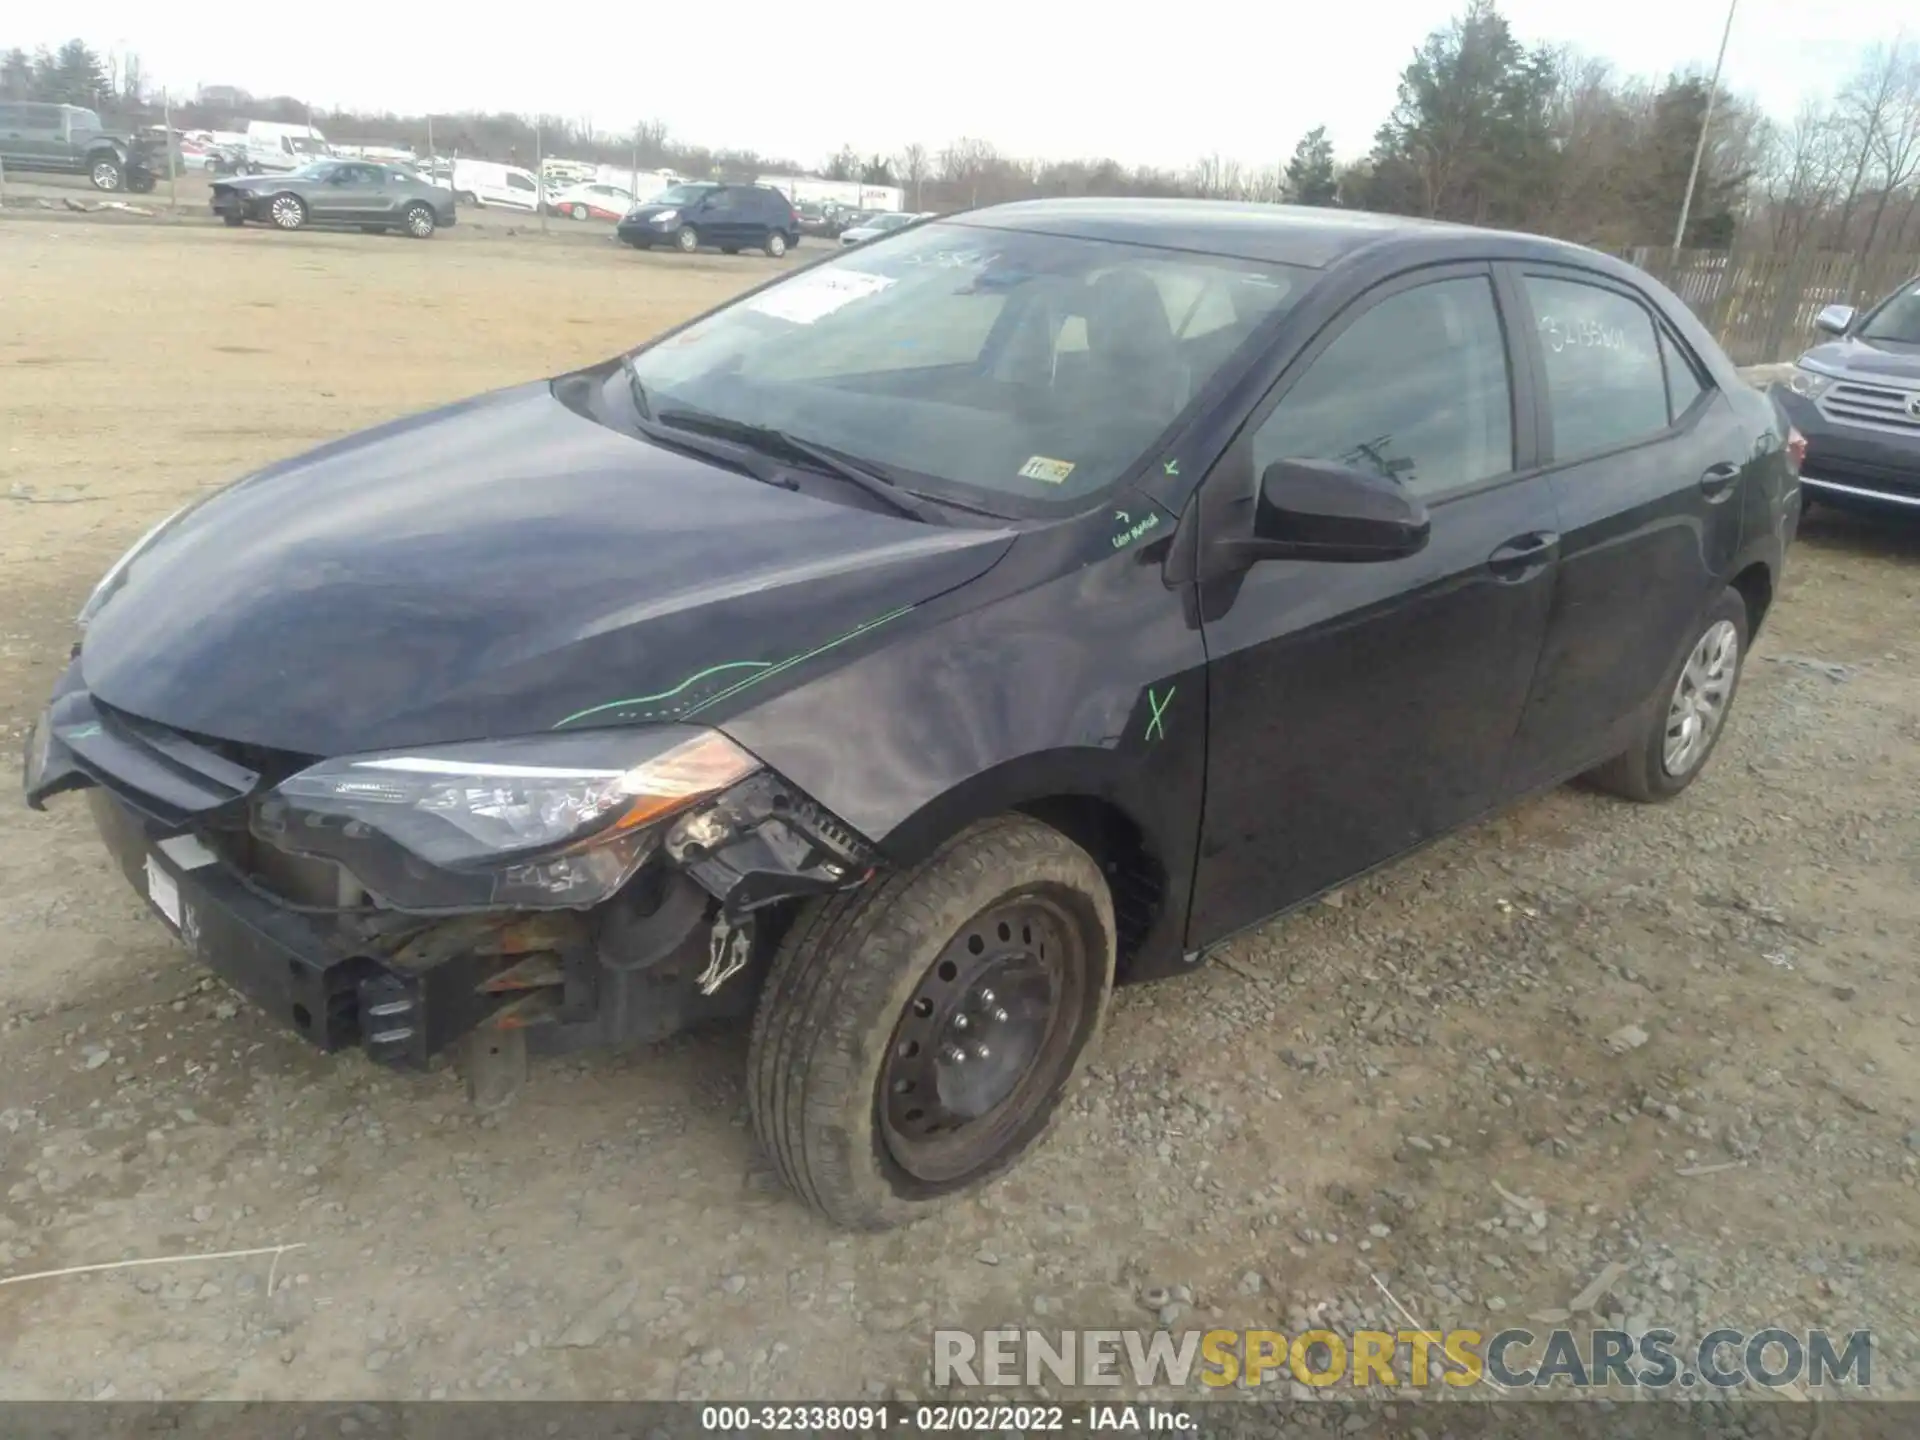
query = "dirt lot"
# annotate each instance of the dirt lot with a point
(1408, 1081)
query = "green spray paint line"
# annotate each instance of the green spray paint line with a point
(664, 694)
(1157, 725)
(789, 663)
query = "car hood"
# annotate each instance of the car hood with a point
(498, 567)
(1877, 359)
(260, 182)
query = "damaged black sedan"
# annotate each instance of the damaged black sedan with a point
(910, 649)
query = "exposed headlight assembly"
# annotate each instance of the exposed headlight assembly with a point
(665, 217)
(543, 822)
(1810, 383)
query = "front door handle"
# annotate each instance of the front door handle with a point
(1717, 479)
(1523, 556)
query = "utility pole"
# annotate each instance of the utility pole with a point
(173, 178)
(1700, 146)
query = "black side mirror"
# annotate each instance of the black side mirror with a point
(1317, 510)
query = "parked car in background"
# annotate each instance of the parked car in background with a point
(70, 140)
(728, 218)
(888, 660)
(1856, 398)
(277, 148)
(337, 192)
(490, 183)
(874, 226)
(596, 201)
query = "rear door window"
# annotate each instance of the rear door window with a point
(1684, 385)
(1605, 381)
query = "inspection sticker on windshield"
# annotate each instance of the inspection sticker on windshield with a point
(1053, 472)
(805, 298)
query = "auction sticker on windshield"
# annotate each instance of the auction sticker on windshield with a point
(1053, 472)
(805, 298)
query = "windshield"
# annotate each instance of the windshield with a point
(1014, 372)
(680, 195)
(1897, 320)
(886, 222)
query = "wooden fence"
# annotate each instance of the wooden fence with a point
(1761, 304)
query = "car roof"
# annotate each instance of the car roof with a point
(1311, 236)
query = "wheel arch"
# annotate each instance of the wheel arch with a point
(1755, 586)
(1085, 795)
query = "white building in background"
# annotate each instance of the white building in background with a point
(802, 190)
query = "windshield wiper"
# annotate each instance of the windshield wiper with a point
(770, 441)
(635, 387)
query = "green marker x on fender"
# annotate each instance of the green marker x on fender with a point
(1156, 722)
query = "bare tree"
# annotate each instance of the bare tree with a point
(913, 166)
(1217, 178)
(965, 165)
(1868, 104)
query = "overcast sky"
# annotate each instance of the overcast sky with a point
(1055, 80)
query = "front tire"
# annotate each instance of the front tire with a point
(107, 173)
(861, 1092)
(287, 211)
(420, 222)
(1685, 722)
(687, 238)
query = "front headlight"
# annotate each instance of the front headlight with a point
(1810, 383)
(544, 822)
(665, 217)
(117, 572)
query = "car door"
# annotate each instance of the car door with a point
(1356, 710)
(1645, 460)
(43, 138)
(709, 217)
(336, 196)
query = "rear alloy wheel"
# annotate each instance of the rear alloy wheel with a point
(687, 238)
(287, 211)
(107, 173)
(1682, 728)
(776, 245)
(916, 1036)
(420, 221)
(579, 212)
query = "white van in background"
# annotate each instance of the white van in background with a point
(273, 147)
(488, 183)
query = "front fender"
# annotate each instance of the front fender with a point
(1070, 671)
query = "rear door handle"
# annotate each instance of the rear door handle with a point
(1717, 479)
(1524, 555)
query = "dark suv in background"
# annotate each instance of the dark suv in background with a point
(729, 218)
(68, 140)
(1856, 399)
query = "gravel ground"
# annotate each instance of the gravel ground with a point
(1673, 1049)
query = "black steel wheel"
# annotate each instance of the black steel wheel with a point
(916, 1036)
(989, 1027)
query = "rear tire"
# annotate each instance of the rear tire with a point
(579, 212)
(687, 238)
(234, 220)
(835, 1070)
(776, 245)
(1687, 717)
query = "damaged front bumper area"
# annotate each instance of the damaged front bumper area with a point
(686, 939)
